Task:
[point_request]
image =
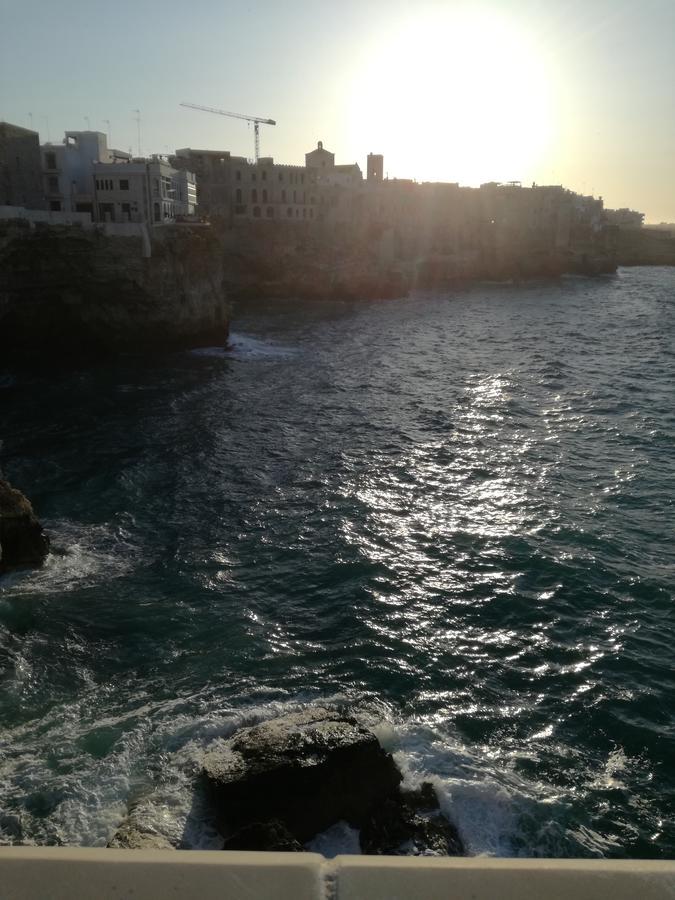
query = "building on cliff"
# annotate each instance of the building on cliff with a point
(69, 170)
(141, 190)
(20, 168)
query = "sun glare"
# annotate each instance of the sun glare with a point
(455, 96)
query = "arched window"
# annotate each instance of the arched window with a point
(254, 196)
(264, 193)
(256, 212)
(238, 200)
(270, 212)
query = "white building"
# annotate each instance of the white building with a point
(143, 190)
(185, 186)
(68, 170)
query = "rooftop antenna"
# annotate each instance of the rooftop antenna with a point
(30, 117)
(49, 137)
(138, 126)
(107, 122)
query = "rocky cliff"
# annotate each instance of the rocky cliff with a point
(67, 290)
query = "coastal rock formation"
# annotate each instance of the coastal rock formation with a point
(132, 836)
(277, 785)
(411, 824)
(69, 293)
(22, 539)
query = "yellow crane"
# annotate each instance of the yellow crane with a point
(257, 121)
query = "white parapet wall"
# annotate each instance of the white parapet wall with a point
(60, 873)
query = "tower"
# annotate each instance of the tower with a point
(375, 167)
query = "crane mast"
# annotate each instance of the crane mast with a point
(257, 121)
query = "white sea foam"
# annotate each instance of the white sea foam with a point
(242, 346)
(80, 556)
(152, 768)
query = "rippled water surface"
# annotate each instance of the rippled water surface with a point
(452, 512)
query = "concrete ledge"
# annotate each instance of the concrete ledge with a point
(67, 873)
(480, 878)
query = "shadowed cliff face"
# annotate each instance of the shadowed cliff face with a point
(63, 290)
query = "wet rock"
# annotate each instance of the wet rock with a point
(411, 824)
(263, 836)
(132, 836)
(306, 771)
(22, 539)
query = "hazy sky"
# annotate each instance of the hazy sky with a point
(578, 92)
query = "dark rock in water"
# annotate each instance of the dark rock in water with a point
(307, 770)
(411, 824)
(263, 836)
(277, 785)
(22, 539)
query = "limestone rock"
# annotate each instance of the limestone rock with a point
(264, 836)
(131, 836)
(410, 824)
(306, 770)
(22, 539)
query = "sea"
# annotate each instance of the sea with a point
(451, 514)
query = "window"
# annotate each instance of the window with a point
(304, 214)
(53, 182)
(124, 184)
(295, 197)
(289, 213)
(55, 205)
(253, 176)
(238, 196)
(270, 212)
(302, 179)
(264, 175)
(283, 196)
(50, 160)
(254, 196)
(264, 195)
(281, 176)
(311, 213)
(256, 212)
(237, 175)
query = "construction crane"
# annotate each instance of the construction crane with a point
(257, 121)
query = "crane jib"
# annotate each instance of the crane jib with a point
(222, 112)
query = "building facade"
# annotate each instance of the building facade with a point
(20, 167)
(69, 170)
(142, 190)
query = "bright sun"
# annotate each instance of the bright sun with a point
(455, 95)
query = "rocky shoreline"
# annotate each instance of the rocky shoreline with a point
(277, 785)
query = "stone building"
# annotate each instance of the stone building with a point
(213, 172)
(20, 168)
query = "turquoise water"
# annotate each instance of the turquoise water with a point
(453, 513)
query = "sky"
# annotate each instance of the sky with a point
(572, 92)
